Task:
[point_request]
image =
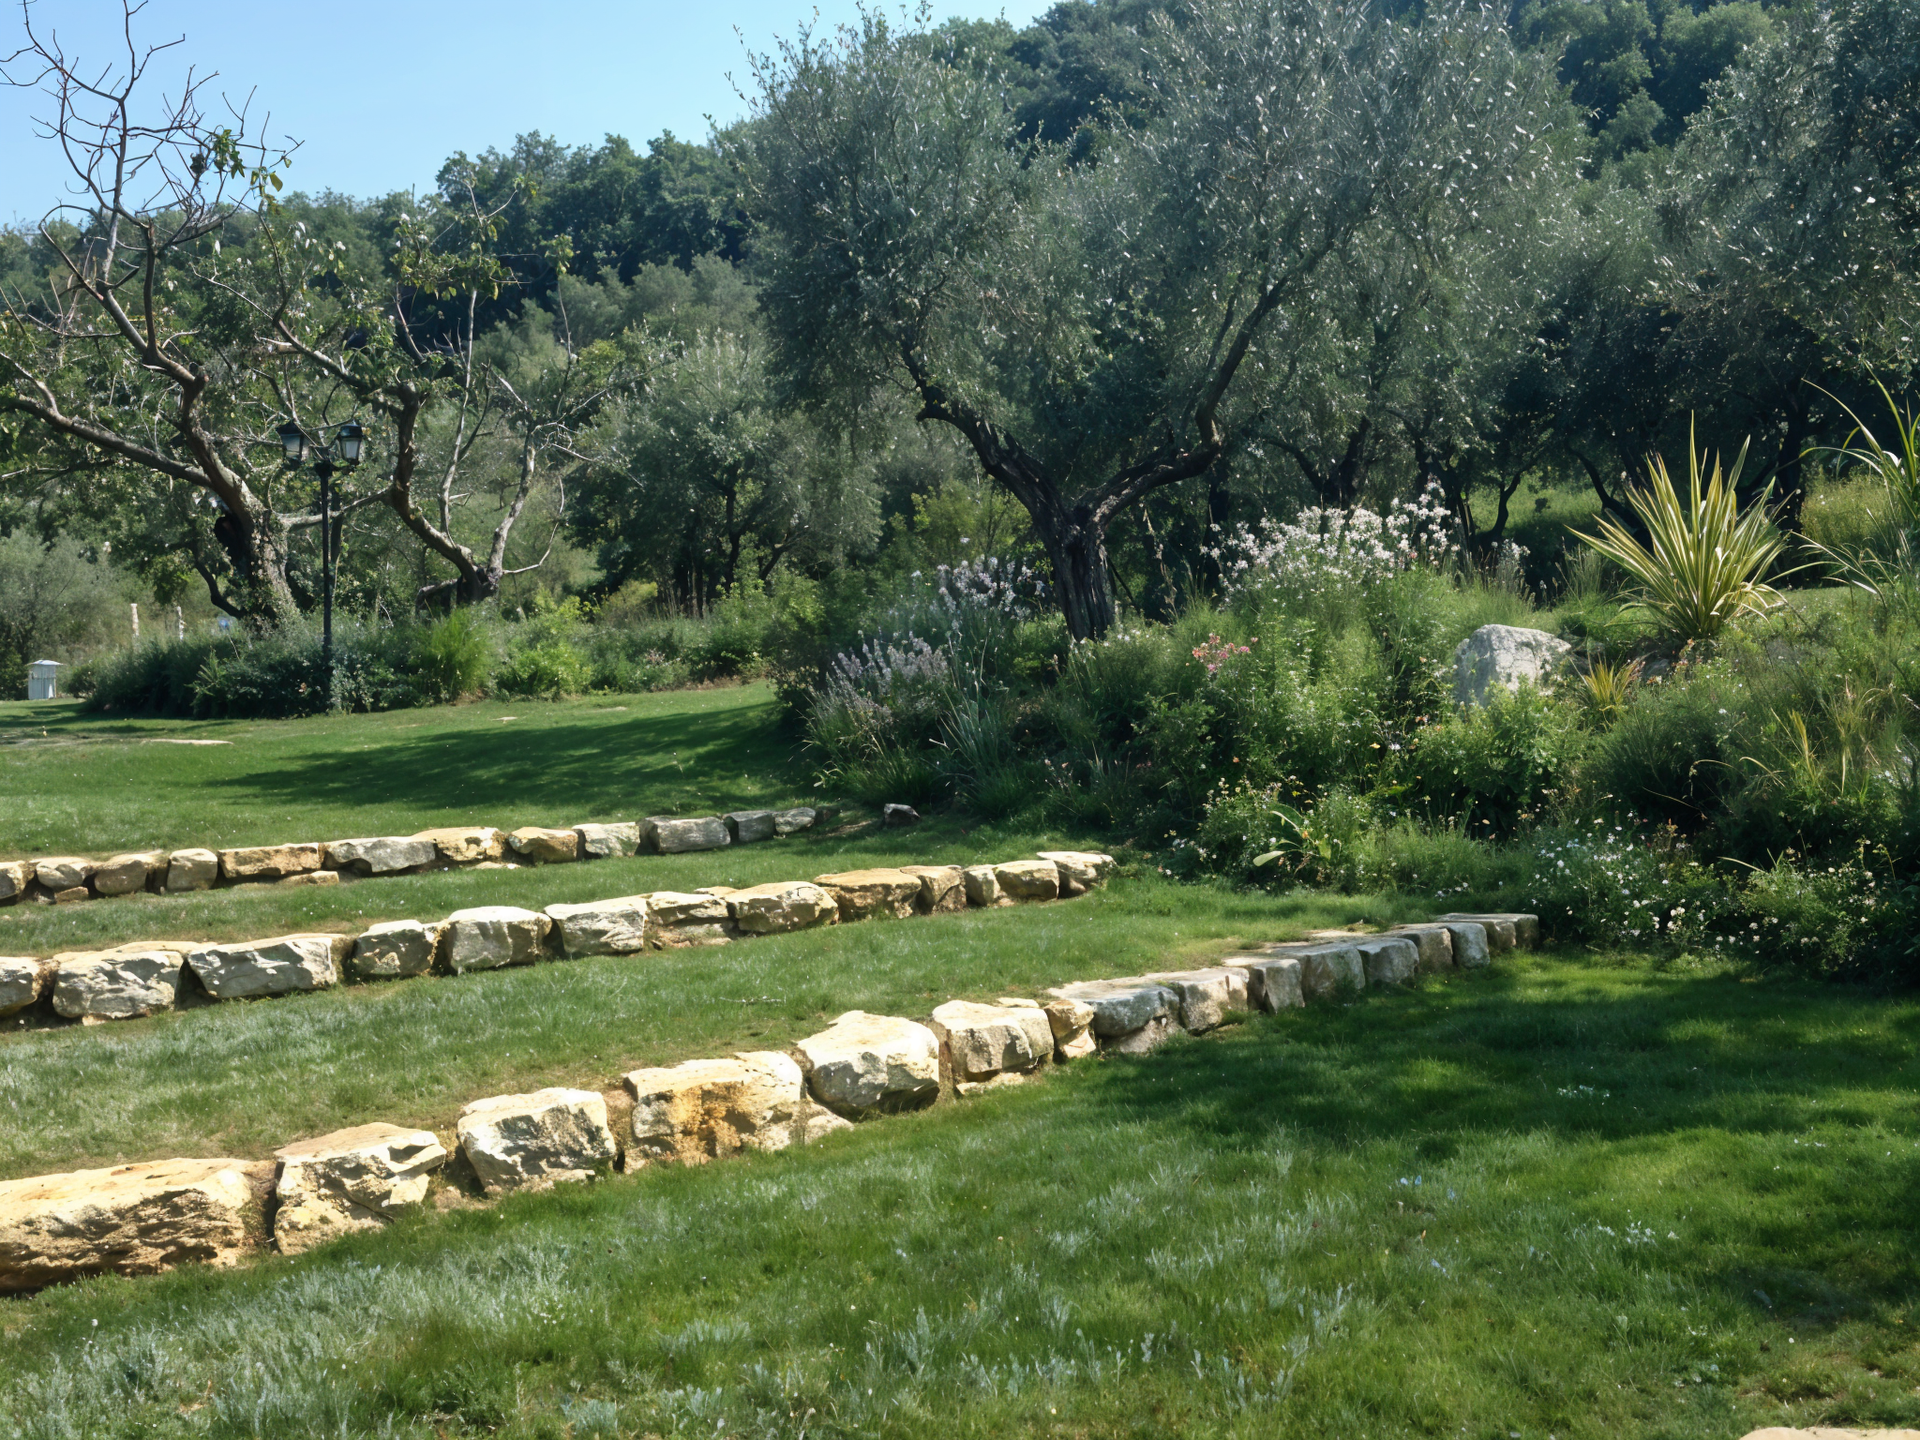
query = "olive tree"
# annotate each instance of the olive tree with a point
(1090, 329)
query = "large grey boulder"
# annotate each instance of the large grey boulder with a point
(1389, 959)
(1130, 1015)
(381, 855)
(1470, 947)
(601, 927)
(123, 983)
(529, 1142)
(604, 842)
(703, 1109)
(1207, 998)
(1504, 656)
(487, 937)
(1434, 942)
(1273, 980)
(128, 1220)
(780, 906)
(280, 966)
(871, 1064)
(355, 1179)
(1330, 969)
(745, 827)
(788, 822)
(669, 836)
(192, 870)
(982, 1043)
(393, 949)
(676, 918)
(62, 872)
(23, 980)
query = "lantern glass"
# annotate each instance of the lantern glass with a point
(348, 441)
(293, 442)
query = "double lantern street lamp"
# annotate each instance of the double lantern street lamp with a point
(345, 454)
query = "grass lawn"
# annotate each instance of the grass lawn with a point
(1571, 1197)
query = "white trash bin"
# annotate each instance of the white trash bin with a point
(43, 680)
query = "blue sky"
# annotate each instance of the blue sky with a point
(380, 93)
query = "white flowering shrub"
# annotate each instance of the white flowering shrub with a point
(1277, 565)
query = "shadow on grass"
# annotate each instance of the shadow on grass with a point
(1779, 1115)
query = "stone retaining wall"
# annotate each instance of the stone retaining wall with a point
(144, 1218)
(63, 879)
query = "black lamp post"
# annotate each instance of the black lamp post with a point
(345, 453)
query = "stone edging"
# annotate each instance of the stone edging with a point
(148, 1217)
(63, 879)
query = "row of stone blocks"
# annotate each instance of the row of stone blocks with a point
(138, 1219)
(146, 977)
(63, 878)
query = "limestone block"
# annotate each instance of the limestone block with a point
(350, 1180)
(279, 966)
(871, 1064)
(704, 1109)
(543, 846)
(15, 877)
(23, 980)
(1328, 970)
(783, 905)
(1072, 1024)
(192, 870)
(942, 888)
(669, 836)
(1389, 959)
(1504, 656)
(1206, 998)
(601, 927)
(269, 862)
(72, 896)
(603, 842)
(487, 937)
(119, 984)
(978, 1042)
(1148, 1038)
(128, 1220)
(1470, 946)
(124, 874)
(1122, 1008)
(523, 1142)
(312, 877)
(744, 827)
(676, 918)
(983, 887)
(1504, 932)
(1273, 981)
(382, 855)
(864, 893)
(395, 948)
(1080, 870)
(62, 872)
(788, 822)
(1028, 879)
(466, 844)
(1434, 942)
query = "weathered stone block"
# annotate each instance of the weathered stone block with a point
(669, 836)
(1504, 656)
(865, 893)
(1080, 870)
(279, 966)
(119, 984)
(487, 937)
(704, 1109)
(466, 844)
(62, 872)
(601, 927)
(604, 842)
(871, 1064)
(128, 1220)
(1121, 1007)
(529, 1142)
(355, 1179)
(943, 888)
(983, 887)
(1205, 998)
(394, 949)
(1029, 879)
(192, 870)
(381, 855)
(15, 877)
(23, 980)
(1329, 969)
(1470, 947)
(1434, 942)
(312, 877)
(1072, 1025)
(73, 896)
(980, 1042)
(269, 862)
(1505, 931)
(676, 918)
(1389, 959)
(787, 822)
(780, 906)
(745, 827)
(542, 846)
(125, 874)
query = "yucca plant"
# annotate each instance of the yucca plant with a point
(1707, 558)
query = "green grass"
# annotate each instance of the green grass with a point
(1565, 1198)
(92, 785)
